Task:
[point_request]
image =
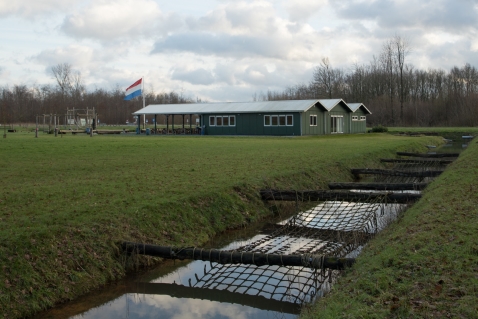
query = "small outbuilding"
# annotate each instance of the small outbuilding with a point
(282, 118)
(359, 117)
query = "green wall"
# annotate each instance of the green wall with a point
(359, 126)
(253, 124)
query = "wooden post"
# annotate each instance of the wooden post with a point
(379, 186)
(167, 124)
(235, 257)
(321, 195)
(437, 155)
(417, 161)
(388, 172)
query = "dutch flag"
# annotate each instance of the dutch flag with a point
(134, 90)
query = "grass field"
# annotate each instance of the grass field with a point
(425, 265)
(66, 202)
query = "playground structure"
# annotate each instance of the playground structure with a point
(75, 119)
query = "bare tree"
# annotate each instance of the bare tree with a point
(327, 81)
(62, 74)
(402, 49)
(387, 61)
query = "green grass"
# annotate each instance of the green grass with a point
(423, 266)
(66, 202)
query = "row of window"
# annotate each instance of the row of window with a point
(282, 120)
(222, 120)
(278, 120)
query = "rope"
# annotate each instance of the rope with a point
(313, 261)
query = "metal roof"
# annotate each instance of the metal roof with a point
(237, 107)
(355, 106)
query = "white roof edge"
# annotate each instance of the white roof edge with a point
(359, 105)
(329, 107)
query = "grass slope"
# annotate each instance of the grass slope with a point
(423, 266)
(66, 202)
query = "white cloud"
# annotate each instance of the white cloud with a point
(303, 10)
(76, 55)
(109, 20)
(31, 9)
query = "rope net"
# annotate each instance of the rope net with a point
(419, 165)
(332, 228)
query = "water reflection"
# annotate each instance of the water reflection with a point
(209, 290)
(136, 306)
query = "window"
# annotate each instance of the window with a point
(225, 120)
(212, 121)
(274, 120)
(289, 120)
(232, 120)
(313, 120)
(362, 118)
(337, 124)
(282, 120)
(218, 120)
(267, 120)
(354, 118)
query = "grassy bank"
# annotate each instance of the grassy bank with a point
(66, 202)
(423, 266)
(440, 130)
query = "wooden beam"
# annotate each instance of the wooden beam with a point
(379, 186)
(437, 155)
(318, 233)
(321, 195)
(390, 172)
(233, 257)
(416, 161)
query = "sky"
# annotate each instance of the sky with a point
(222, 50)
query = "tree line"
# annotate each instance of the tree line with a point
(397, 93)
(21, 104)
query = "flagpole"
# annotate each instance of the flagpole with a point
(142, 93)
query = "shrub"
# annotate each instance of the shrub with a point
(379, 129)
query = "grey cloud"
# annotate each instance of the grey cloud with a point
(222, 45)
(301, 11)
(32, 9)
(225, 73)
(444, 14)
(254, 17)
(448, 55)
(198, 76)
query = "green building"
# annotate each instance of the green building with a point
(282, 118)
(359, 117)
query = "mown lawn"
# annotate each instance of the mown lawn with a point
(66, 202)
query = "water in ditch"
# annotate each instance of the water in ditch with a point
(197, 289)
